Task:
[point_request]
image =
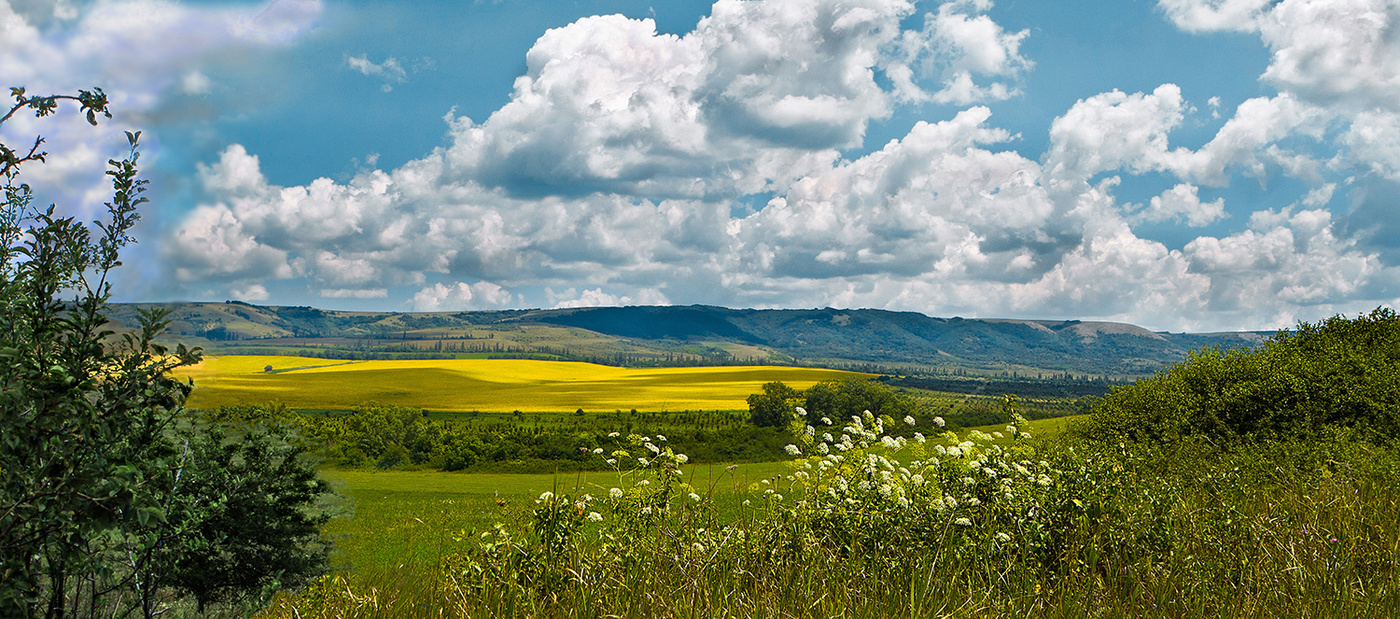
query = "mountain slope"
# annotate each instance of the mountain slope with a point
(642, 333)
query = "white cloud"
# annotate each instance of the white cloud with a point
(1184, 200)
(195, 83)
(254, 292)
(461, 296)
(1331, 52)
(612, 174)
(140, 52)
(353, 293)
(958, 42)
(390, 69)
(758, 94)
(1112, 131)
(1208, 15)
(1373, 141)
(597, 298)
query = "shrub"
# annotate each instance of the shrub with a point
(1339, 373)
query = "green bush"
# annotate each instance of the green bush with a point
(1339, 373)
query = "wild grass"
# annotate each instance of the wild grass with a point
(486, 385)
(1184, 530)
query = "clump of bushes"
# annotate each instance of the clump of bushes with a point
(1339, 375)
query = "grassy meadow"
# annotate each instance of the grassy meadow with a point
(485, 385)
(389, 518)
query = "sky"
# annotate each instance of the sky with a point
(1184, 165)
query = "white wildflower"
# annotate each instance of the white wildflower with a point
(938, 421)
(598, 451)
(963, 522)
(661, 437)
(612, 461)
(646, 511)
(615, 493)
(643, 482)
(613, 435)
(695, 497)
(1003, 537)
(547, 497)
(682, 458)
(595, 517)
(909, 420)
(826, 421)
(792, 450)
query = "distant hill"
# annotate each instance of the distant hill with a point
(697, 334)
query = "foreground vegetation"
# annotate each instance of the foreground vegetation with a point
(1230, 518)
(111, 503)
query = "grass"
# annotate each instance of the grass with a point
(395, 518)
(486, 385)
(1180, 532)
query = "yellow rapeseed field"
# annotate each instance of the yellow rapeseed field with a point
(486, 385)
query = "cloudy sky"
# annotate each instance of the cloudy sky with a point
(1179, 164)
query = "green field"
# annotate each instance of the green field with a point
(486, 385)
(393, 518)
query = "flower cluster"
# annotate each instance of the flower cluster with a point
(971, 483)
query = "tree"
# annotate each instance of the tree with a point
(96, 495)
(771, 408)
(242, 518)
(840, 400)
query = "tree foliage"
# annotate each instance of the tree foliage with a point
(99, 503)
(1338, 374)
(773, 406)
(841, 400)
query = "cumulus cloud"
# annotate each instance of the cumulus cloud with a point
(597, 298)
(628, 165)
(1333, 52)
(461, 296)
(254, 292)
(1112, 131)
(1184, 201)
(140, 52)
(959, 44)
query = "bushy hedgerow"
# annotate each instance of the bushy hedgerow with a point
(1341, 373)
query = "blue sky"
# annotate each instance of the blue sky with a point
(1179, 164)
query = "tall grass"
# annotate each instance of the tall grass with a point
(953, 529)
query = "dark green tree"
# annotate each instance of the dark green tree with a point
(772, 407)
(840, 400)
(99, 505)
(244, 518)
